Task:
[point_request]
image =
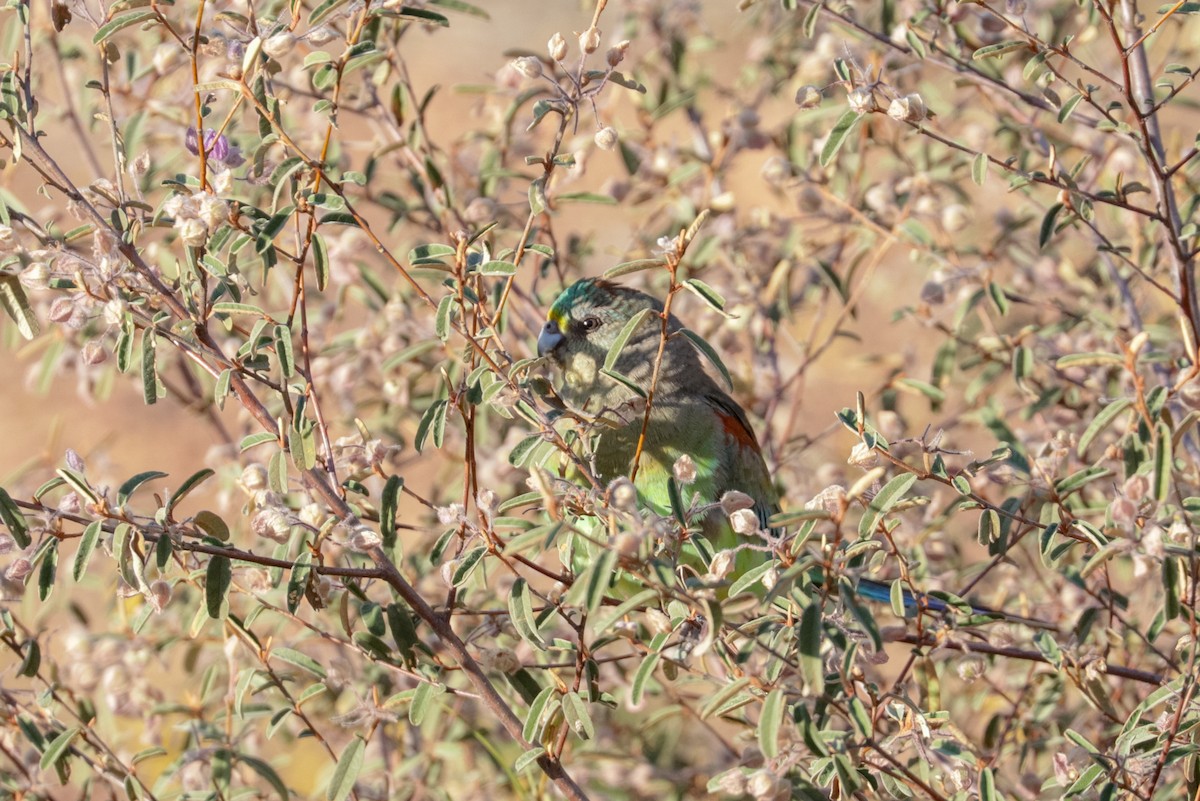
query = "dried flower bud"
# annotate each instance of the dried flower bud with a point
(193, 232)
(623, 494)
(656, 621)
(92, 352)
(19, 569)
(862, 101)
(762, 785)
(910, 108)
(254, 478)
(589, 40)
(448, 515)
(279, 45)
(722, 564)
(731, 783)
(808, 96)
(616, 54)
(770, 578)
(61, 310)
(606, 138)
(1189, 394)
(1136, 487)
(8, 239)
(213, 211)
(684, 470)
(744, 522)
(362, 539)
(557, 47)
(734, 500)
(863, 456)
(528, 66)
(955, 217)
(1123, 511)
(448, 572)
(271, 524)
(501, 660)
(488, 502)
(159, 595)
(35, 276)
(627, 545)
(933, 293)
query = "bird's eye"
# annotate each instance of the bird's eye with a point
(591, 323)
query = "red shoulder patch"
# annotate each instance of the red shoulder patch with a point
(736, 427)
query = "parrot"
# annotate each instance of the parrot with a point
(691, 415)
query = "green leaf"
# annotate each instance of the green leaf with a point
(57, 749)
(193, 481)
(283, 350)
(537, 709)
(1093, 359)
(1068, 108)
(883, 501)
(14, 519)
(441, 320)
(706, 293)
(300, 660)
(999, 49)
(298, 580)
(528, 758)
(837, 137)
(625, 607)
(628, 330)
(504, 268)
(150, 384)
(346, 772)
(467, 564)
(87, 545)
(388, 501)
(809, 647)
(576, 714)
(16, 305)
(1047, 229)
(769, 722)
(1163, 462)
(433, 421)
(429, 254)
(218, 577)
(123, 21)
(979, 166)
(637, 688)
(520, 611)
(599, 576)
(320, 251)
(637, 265)
(1080, 478)
(708, 352)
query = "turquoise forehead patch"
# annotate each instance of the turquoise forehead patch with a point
(571, 295)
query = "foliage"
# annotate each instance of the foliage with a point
(973, 230)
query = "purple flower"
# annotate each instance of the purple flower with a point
(216, 147)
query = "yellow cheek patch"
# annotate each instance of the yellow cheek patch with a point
(559, 319)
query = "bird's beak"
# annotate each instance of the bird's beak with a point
(550, 338)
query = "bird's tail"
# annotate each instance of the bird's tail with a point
(914, 602)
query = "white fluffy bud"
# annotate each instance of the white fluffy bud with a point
(684, 470)
(589, 40)
(910, 108)
(528, 66)
(557, 47)
(808, 96)
(861, 101)
(606, 138)
(744, 522)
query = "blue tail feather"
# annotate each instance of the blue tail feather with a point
(882, 593)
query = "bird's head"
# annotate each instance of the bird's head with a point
(582, 326)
